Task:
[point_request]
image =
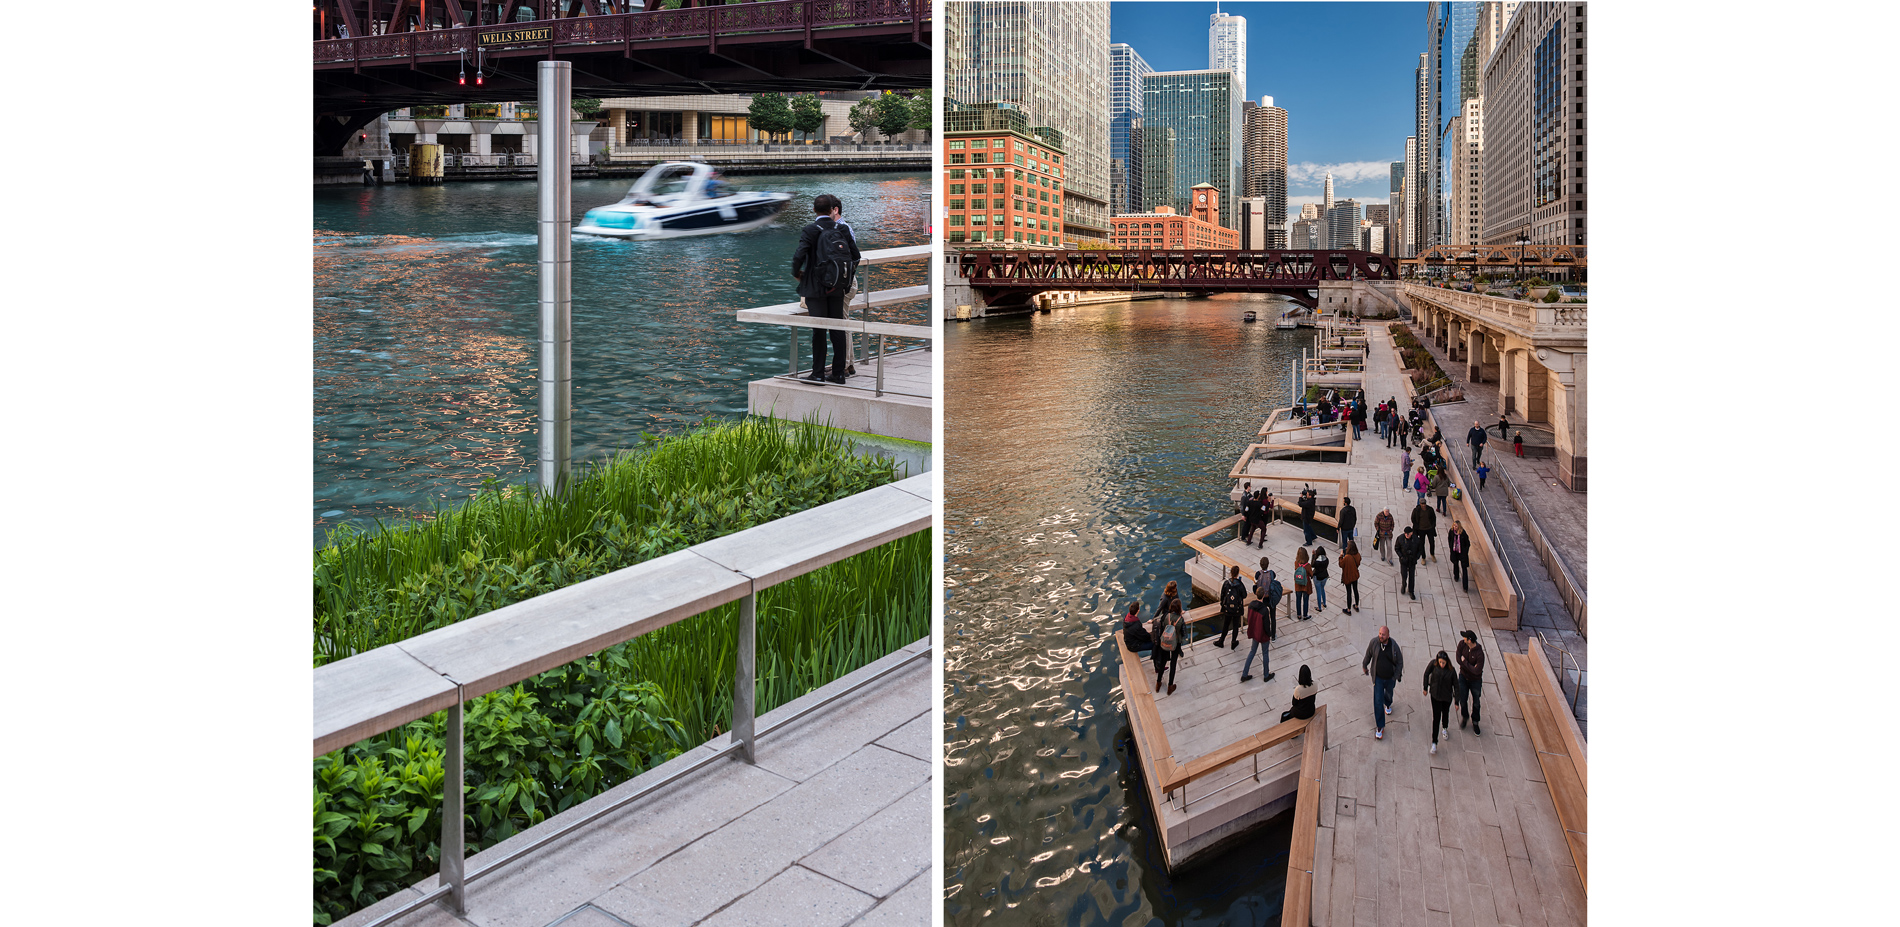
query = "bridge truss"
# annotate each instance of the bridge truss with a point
(1497, 256)
(1289, 273)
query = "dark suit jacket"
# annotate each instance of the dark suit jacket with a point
(802, 257)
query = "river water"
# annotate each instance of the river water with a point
(424, 355)
(1081, 445)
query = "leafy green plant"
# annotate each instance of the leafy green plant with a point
(586, 107)
(1552, 295)
(808, 113)
(863, 117)
(894, 114)
(428, 112)
(770, 113)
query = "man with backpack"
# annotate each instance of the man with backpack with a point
(1260, 630)
(1233, 600)
(825, 263)
(1386, 665)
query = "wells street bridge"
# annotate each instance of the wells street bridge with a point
(373, 56)
(1004, 277)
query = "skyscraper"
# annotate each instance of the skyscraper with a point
(1418, 157)
(1395, 235)
(1342, 224)
(1453, 75)
(1326, 203)
(1202, 109)
(1227, 45)
(1125, 71)
(1534, 166)
(1266, 159)
(1053, 60)
(1157, 168)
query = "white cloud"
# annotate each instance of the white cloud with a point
(1349, 172)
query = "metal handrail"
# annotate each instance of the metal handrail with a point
(866, 325)
(379, 690)
(1562, 673)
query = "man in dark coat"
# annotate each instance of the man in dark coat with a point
(1470, 678)
(1386, 665)
(1260, 630)
(1425, 523)
(1476, 438)
(1458, 545)
(1348, 520)
(1409, 547)
(1309, 504)
(818, 302)
(1233, 600)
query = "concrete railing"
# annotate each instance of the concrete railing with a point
(382, 689)
(1527, 318)
(794, 315)
(1568, 585)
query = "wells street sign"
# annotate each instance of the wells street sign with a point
(516, 36)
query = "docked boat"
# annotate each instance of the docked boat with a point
(679, 198)
(1249, 317)
(1286, 320)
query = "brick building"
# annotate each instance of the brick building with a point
(1165, 229)
(1004, 177)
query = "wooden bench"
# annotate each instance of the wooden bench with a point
(1563, 768)
(1297, 908)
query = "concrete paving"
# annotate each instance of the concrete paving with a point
(1466, 836)
(830, 828)
(902, 412)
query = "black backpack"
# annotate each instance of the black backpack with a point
(831, 258)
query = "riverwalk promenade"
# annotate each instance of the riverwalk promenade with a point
(831, 827)
(1470, 835)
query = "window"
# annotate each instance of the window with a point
(996, 202)
(956, 236)
(956, 144)
(956, 174)
(956, 204)
(979, 188)
(979, 219)
(977, 158)
(1019, 221)
(956, 219)
(956, 159)
(1019, 163)
(1019, 237)
(1019, 205)
(996, 220)
(956, 189)
(1019, 189)
(1020, 147)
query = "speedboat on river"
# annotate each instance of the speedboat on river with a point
(679, 198)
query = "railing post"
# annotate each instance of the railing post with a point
(452, 843)
(880, 364)
(556, 274)
(744, 681)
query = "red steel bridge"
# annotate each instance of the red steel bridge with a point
(373, 56)
(1001, 275)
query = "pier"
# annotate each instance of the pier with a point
(1489, 830)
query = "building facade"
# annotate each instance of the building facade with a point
(1202, 111)
(1535, 180)
(1395, 238)
(1266, 163)
(1252, 213)
(1306, 233)
(1342, 225)
(1125, 71)
(1052, 60)
(1003, 178)
(1165, 229)
(1227, 46)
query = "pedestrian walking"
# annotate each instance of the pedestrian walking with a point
(1302, 583)
(1484, 470)
(1233, 602)
(1382, 525)
(1476, 438)
(1322, 571)
(1441, 683)
(1348, 523)
(1168, 595)
(1349, 574)
(1273, 592)
(1502, 424)
(1470, 678)
(1425, 524)
(1261, 631)
(1170, 635)
(1249, 517)
(824, 264)
(1309, 504)
(1358, 420)
(1405, 469)
(1386, 665)
(1305, 694)
(1517, 444)
(1458, 545)
(1261, 575)
(1441, 487)
(1421, 484)
(1410, 548)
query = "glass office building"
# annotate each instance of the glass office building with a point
(1201, 113)
(1125, 71)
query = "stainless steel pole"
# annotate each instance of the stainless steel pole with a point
(557, 336)
(744, 678)
(452, 843)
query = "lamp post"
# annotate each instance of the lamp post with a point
(1522, 240)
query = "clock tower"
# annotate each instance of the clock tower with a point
(1204, 203)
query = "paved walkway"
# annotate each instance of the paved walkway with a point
(831, 828)
(1468, 836)
(1562, 513)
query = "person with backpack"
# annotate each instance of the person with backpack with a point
(1309, 504)
(1441, 683)
(1260, 630)
(1322, 571)
(825, 263)
(1168, 594)
(1302, 583)
(1273, 592)
(1382, 525)
(1470, 678)
(1305, 694)
(1349, 574)
(1348, 521)
(1458, 545)
(1422, 484)
(1386, 665)
(1170, 635)
(1261, 575)
(1233, 601)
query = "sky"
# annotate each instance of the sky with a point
(1342, 71)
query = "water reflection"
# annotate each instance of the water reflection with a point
(424, 327)
(1081, 446)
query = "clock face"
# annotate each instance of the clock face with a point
(1203, 197)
